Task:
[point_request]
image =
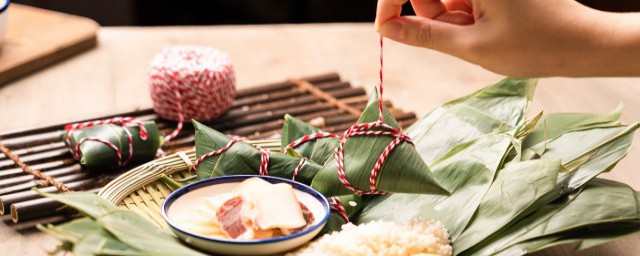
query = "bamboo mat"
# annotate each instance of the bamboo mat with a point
(257, 113)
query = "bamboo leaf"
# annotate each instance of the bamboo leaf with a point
(585, 238)
(139, 233)
(403, 171)
(100, 243)
(604, 148)
(127, 227)
(606, 201)
(499, 107)
(243, 158)
(516, 188)
(280, 165)
(86, 203)
(98, 155)
(556, 124)
(318, 151)
(467, 170)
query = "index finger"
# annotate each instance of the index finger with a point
(388, 9)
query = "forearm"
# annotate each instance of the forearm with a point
(609, 46)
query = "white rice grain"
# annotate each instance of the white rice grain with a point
(382, 238)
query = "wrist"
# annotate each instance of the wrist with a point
(611, 45)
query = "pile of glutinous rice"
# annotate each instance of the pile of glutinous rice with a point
(382, 238)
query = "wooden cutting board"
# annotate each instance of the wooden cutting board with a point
(37, 38)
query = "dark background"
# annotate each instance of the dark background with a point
(213, 12)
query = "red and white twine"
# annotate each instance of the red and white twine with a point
(191, 82)
(186, 82)
(336, 205)
(362, 130)
(123, 121)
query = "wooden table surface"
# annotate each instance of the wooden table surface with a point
(112, 78)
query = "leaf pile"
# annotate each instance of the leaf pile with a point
(109, 230)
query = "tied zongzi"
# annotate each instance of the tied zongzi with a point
(374, 157)
(112, 142)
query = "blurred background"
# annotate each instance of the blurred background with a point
(214, 12)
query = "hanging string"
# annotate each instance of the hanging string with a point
(380, 101)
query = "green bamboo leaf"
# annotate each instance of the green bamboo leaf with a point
(319, 150)
(403, 171)
(588, 152)
(88, 204)
(554, 125)
(606, 201)
(128, 227)
(243, 158)
(98, 155)
(208, 140)
(499, 107)
(467, 171)
(585, 238)
(280, 165)
(596, 149)
(139, 233)
(71, 231)
(515, 189)
(100, 243)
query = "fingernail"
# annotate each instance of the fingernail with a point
(393, 29)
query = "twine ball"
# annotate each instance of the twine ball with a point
(200, 78)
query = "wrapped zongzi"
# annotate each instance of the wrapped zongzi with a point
(112, 142)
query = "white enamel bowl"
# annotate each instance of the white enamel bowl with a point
(184, 198)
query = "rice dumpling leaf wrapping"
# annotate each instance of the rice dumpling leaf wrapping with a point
(514, 190)
(467, 171)
(499, 107)
(403, 171)
(280, 165)
(98, 155)
(606, 201)
(319, 150)
(243, 158)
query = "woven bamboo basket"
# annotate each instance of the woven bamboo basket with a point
(144, 188)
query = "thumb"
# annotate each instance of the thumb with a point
(424, 32)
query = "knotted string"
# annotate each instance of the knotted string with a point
(362, 130)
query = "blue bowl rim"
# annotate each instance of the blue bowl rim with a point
(238, 178)
(4, 7)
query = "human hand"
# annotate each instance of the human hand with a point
(524, 38)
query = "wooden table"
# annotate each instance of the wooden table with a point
(112, 78)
